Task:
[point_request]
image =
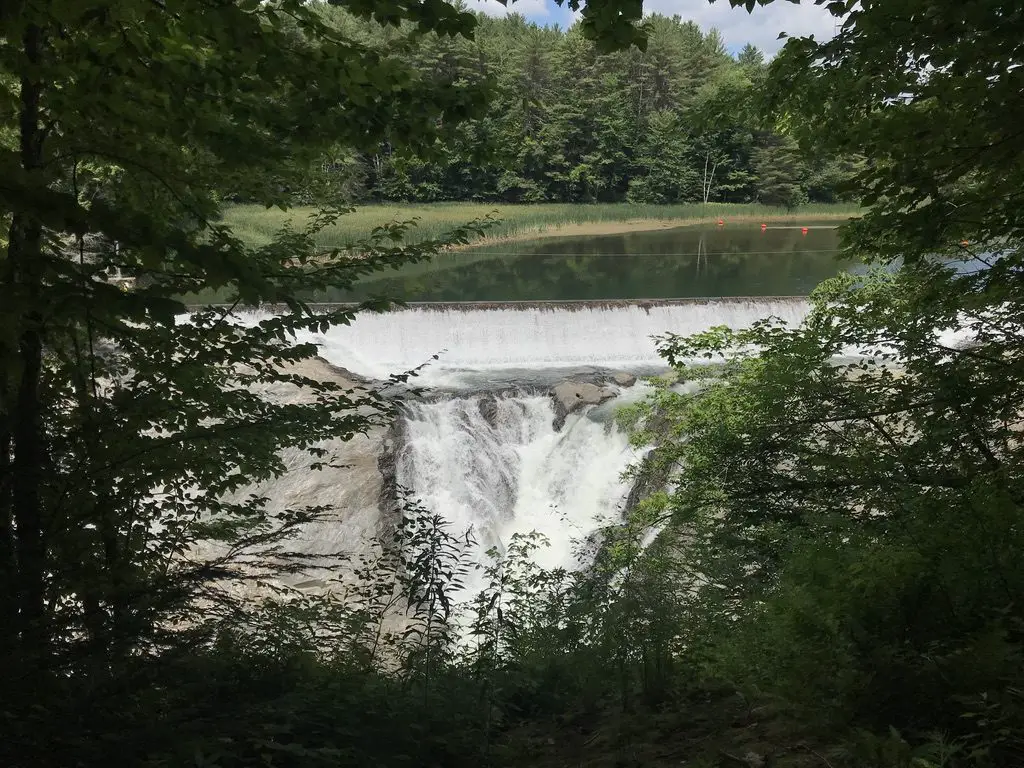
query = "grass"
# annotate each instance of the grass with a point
(256, 225)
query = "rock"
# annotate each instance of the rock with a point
(749, 760)
(624, 379)
(387, 469)
(571, 396)
(649, 478)
(317, 584)
(488, 406)
(357, 479)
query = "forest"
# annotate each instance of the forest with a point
(565, 122)
(824, 563)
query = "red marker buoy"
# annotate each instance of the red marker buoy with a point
(721, 222)
(764, 227)
(804, 230)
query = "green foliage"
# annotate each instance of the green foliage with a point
(432, 567)
(569, 121)
(664, 157)
(924, 92)
(779, 172)
(124, 429)
(856, 523)
(128, 431)
(848, 492)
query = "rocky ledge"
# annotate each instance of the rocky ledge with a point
(571, 396)
(358, 483)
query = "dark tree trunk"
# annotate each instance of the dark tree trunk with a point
(24, 266)
(8, 565)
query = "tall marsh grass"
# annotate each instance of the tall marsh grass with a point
(256, 225)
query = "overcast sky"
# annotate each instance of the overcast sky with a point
(761, 28)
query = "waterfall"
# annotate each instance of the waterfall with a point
(496, 465)
(486, 456)
(530, 336)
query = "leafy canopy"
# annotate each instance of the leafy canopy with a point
(124, 431)
(848, 492)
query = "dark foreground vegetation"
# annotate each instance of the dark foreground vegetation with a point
(838, 572)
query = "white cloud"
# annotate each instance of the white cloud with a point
(737, 27)
(537, 10)
(761, 28)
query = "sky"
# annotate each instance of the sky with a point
(737, 27)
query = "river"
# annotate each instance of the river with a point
(706, 260)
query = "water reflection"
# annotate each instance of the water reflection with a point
(735, 260)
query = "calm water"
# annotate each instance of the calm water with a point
(734, 260)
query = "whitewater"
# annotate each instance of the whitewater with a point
(483, 445)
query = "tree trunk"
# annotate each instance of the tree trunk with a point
(708, 178)
(8, 564)
(27, 452)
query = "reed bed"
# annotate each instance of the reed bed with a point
(257, 225)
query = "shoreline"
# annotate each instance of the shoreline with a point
(627, 226)
(257, 227)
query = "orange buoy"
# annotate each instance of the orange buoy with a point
(964, 243)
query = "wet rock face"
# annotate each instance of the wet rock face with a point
(648, 478)
(624, 379)
(571, 396)
(488, 405)
(387, 467)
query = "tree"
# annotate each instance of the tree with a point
(550, 87)
(832, 178)
(750, 57)
(722, 144)
(111, 137)
(779, 172)
(117, 140)
(664, 173)
(901, 78)
(849, 490)
(125, 425)
(852, 529)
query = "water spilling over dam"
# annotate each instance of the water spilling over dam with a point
(477, 337)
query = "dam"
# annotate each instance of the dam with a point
(472, 339)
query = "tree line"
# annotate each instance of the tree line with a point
(565, 122)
